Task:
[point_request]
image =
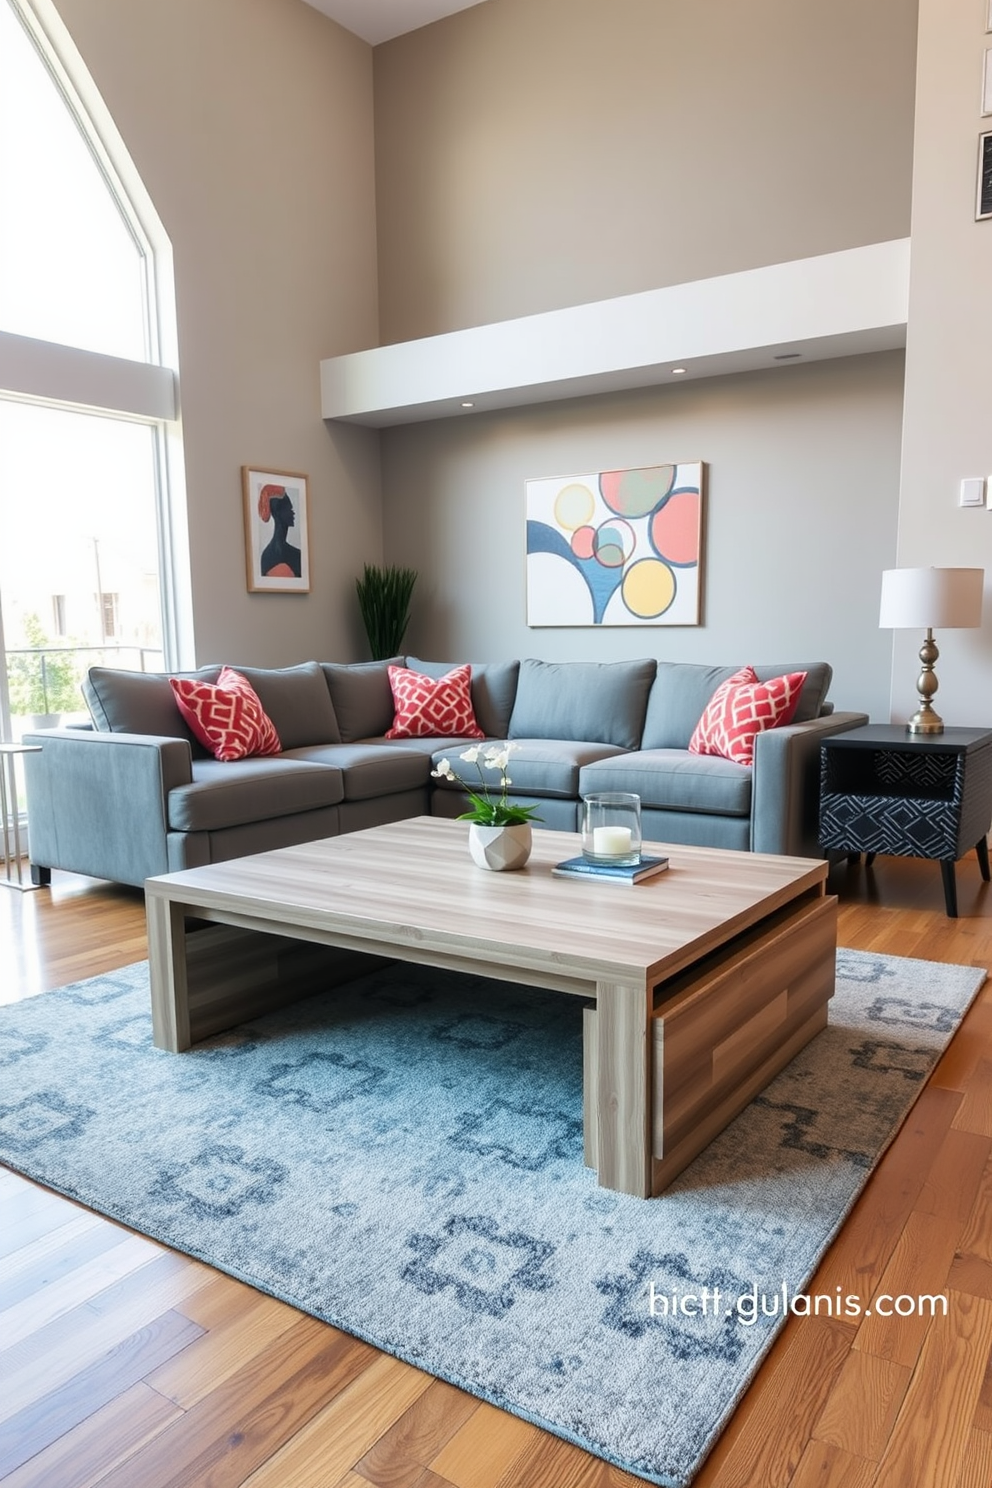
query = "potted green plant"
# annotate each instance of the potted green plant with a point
(384, 600)
(500, 835)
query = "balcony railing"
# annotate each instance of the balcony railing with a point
(43, 681)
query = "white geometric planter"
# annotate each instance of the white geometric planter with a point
(500, 848)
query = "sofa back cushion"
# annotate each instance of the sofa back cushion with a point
(141, 703)
(362, 697)
(598, 702)
(298, 702)
(682, 690)
(494, 687)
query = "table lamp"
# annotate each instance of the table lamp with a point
(929, 599)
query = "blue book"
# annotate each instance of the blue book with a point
(630, 873)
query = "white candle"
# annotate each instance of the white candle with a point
(610, 842)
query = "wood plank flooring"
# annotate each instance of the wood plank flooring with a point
(126, 1365)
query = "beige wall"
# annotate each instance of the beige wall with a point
(538, 153)
(803, 471)
(948, 413)
(251, 125)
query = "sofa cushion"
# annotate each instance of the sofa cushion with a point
(741, 709)
(123, 702)
(601, 702)
(432, 705)
(370, 769)
(494, 687)
(226, 716)
(362, 697)
(673, 779)
(682, 690)
(297, 700)
(813, 698)
(249, 790)
(537, 767)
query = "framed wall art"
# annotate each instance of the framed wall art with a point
(616, 547)
(983, 206)
(277, 531)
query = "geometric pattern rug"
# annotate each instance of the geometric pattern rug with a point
(403, 1158)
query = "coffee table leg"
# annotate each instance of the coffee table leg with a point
(167, 973)
(623, 1087)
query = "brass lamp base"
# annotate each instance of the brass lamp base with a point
(925, 720)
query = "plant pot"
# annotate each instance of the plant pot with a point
(500, 848)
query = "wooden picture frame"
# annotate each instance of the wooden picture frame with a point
(983, 203)
(277, 530)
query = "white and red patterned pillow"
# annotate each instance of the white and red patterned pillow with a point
(227, 715)
(427, 706)
(741, 709)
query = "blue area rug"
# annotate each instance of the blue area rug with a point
(403, 1157)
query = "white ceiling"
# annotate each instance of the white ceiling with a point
(378, 20)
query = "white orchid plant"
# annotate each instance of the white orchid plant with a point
(488, 809)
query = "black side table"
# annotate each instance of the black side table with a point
(912, 795)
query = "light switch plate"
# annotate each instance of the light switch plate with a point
(973, 491)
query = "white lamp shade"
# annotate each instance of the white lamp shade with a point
(931, 598)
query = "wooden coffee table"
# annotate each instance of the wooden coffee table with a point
(702, 982)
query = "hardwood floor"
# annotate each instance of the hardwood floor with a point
(129, 1366)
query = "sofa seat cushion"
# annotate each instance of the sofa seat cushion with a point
(370, 769)
(237, 792)
(537, 767)
(674, 780)
(600, 701)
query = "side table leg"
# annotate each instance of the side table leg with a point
(950, 887)
(982, 849)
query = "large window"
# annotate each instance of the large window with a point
(92, 556)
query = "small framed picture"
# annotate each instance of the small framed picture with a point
(277, 531)
(983, 206)
(988, 16)
(987, 83)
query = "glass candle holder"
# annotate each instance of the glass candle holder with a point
(611, 827)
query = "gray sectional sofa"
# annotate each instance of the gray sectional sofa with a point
(135, 794)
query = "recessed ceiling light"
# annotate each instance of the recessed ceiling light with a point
(679, 371)
(468, 404)
(787, 356)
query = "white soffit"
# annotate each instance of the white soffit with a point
(380, 20)
(834, 305)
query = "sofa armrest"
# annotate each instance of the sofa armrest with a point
(785, 796)
(98, 802)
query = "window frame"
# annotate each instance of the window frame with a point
(69, 377)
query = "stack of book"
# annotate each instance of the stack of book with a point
(630, 873)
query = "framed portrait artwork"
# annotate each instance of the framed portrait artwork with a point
(277, 531)
(983, 206)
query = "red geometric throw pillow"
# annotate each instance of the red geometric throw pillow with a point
(427, 706)
(226, 715)
(741, 709)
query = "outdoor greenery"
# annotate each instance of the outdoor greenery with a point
(384, 600)
(40, 681)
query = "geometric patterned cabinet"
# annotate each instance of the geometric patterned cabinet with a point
(912, 795)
